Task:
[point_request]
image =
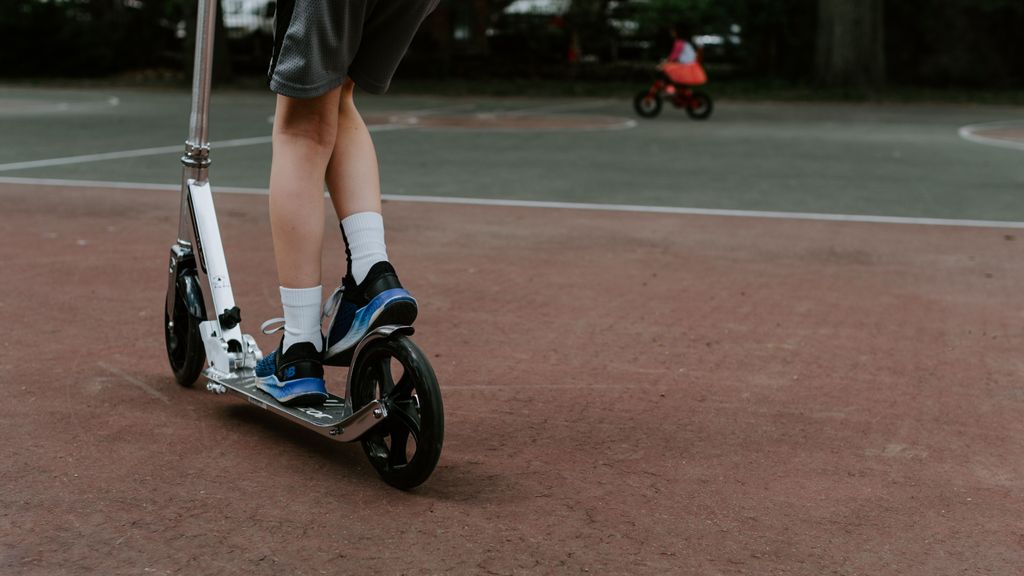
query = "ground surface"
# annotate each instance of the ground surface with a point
(626, 392)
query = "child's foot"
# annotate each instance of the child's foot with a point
(378, 301)
(295, 377)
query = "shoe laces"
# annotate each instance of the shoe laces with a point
(269, 327)
(332, 303)
(330, 308)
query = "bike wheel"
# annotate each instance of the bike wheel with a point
(700, 106)
(405, 447)
(646, 104)
(184, 342)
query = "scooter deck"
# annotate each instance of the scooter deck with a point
(334, 419)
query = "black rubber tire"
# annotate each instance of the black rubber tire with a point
(185, 351)
(414, 409)
(647, 106)
(701, 106)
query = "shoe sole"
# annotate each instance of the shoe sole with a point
(401, 310)
(271, 385)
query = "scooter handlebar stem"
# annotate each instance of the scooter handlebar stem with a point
(202, 73)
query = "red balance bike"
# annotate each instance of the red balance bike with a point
(648, 103)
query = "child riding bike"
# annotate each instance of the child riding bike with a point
(677, 75)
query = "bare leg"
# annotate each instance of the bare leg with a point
(304, 132)
(353, 178)
(303, 140)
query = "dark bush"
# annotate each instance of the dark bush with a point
(85, 37)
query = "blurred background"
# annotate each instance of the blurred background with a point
(843, 48)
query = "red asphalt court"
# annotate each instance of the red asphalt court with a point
(625, 393)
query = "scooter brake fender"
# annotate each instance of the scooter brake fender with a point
(379, 333)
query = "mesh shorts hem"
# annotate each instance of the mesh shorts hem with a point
(285, 88)
(368, 84)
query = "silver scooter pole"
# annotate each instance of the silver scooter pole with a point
(230, 353)
(197, 147)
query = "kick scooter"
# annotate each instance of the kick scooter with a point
(392, 403)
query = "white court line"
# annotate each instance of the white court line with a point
(89, 158)
(969, 133)
(90, 184)
(38, 108)
(774, 215)
(140, 152)
(709, 212)
(121, 154)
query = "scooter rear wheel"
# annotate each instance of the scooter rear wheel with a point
(646, 104)
(184, 342)
(405, 447)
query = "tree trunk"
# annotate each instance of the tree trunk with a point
(850, 50)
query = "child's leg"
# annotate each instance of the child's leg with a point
(304, 132)
(372, 295)
(352, 175)
(303, 141)
(353, 180)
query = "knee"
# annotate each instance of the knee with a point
(313, 120)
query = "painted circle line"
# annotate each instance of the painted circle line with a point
(1006, 134)
(20, 106)
(499, 122)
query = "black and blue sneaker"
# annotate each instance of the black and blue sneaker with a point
(294, 377)
(357, 309)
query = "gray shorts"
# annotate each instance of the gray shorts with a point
(319, 43)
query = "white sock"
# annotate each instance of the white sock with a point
(302, 316)
(364, 237)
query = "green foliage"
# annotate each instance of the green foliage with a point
(927, 42)
(955, 43)
(777, 35)
(939, 43)
(83, 37)
(658, 15)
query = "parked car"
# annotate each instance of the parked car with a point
(244, 18)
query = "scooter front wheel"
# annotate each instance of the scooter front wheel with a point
(405, 447)
(185, 351)
(647, 105)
